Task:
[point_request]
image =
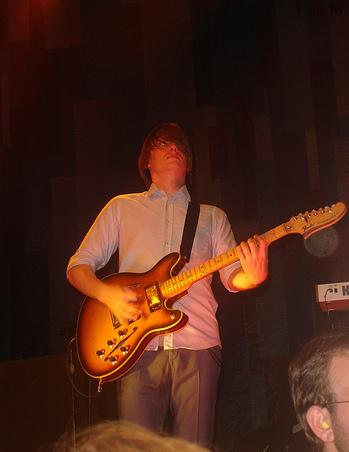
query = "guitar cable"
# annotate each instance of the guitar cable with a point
(328, 310)
(70, 368)
(73, 415)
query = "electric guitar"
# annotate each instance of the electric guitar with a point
(108, 350)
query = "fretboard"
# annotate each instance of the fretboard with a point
(183, 281)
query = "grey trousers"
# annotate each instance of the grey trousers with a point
(184, 381)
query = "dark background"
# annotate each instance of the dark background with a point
(261, 87)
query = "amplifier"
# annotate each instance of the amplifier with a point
(333, 296)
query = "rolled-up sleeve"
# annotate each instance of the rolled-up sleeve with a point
(223, 240)
(101, 241)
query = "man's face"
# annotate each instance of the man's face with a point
(339, 380)
(167, 158)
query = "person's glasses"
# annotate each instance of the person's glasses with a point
(161, 144)
(164, 144)
(337, 401)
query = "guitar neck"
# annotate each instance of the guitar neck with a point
(180, 283)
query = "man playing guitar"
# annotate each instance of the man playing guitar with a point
(178, 371)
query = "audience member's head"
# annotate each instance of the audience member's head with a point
(122, 436)
(319, 381)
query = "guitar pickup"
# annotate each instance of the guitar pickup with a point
(154, 297)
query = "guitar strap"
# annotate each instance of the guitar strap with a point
(191, 221)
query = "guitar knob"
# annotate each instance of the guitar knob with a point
(111, 343)
(122, 333)
(113, 360)
(124, 350)
(100, 353)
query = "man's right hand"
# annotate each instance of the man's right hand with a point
(122, 301)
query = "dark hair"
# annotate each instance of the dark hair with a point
(308, 375)
(166, 132)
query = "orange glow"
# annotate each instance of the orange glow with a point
(240, 281)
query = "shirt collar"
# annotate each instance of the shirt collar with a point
(154, 192)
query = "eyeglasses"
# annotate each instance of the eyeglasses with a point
(160, 143)
(336, 401)
(163, 144)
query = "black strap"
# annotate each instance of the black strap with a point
(191, 221)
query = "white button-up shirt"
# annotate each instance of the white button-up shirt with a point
(147, 226)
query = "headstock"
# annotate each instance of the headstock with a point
(308, 223)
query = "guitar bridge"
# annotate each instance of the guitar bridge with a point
(154, 297)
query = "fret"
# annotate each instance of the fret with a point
(232, 255)
(192, 274)
(276, 233)
(218, 262)
(180, 279)
(225, 260)
(176, 282)
(212, 265)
